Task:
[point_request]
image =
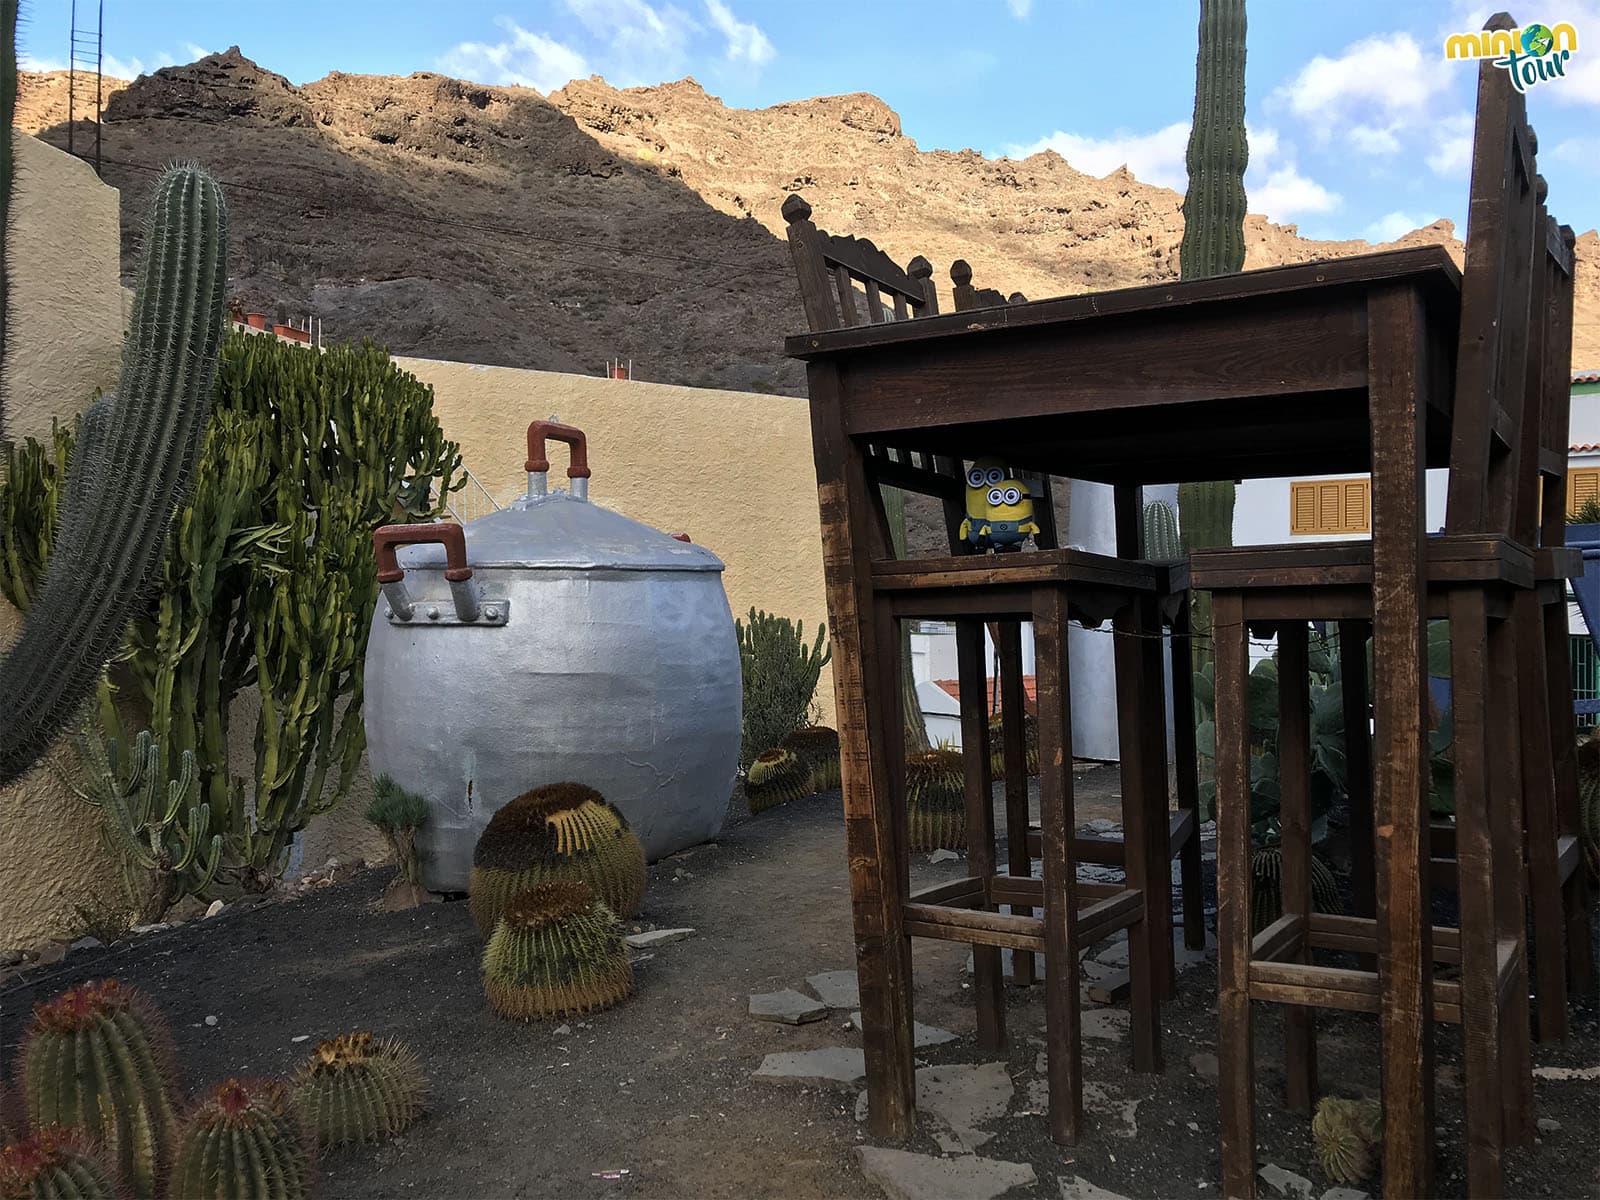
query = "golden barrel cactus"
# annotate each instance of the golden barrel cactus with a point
(358, 1088)
(243, 1141)
(818, 748)
(775, 777)
(55, 1164)
(556, 952)
(936, 800)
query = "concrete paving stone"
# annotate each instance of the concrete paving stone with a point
(836, 989)
(1115, 955)
(657, 937)
(964, 1096)
(903, 1175)
(1566, 1073)
(787, 1007)
(1344, 1193)
(1204, 1065)
(1285, 1183)
(921, 1035)
(1104, 825)
(834, 1064)
(939, 856)
(1079, 1188)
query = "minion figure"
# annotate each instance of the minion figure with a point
(999, 508)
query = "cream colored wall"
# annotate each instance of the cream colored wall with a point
(731, 469)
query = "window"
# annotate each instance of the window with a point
(1330, 506)
(1583, 484)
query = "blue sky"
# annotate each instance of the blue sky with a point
(1358, 126)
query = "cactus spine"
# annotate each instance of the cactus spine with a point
(818, 748)
(55, 1164)
(1213, 207)
(1266, 887)
(557, 952)
(559, 831)
(126, 481)
(99, 1058)
(1346, 1135)
(776, 777)
(997, 748)
(1161, 532)
(936, 800)
(357, 1088)
(242, 1142)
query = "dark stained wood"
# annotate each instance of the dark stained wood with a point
(953, 893)
(1008, 650)
(1358, 767)
(1186, 775)
(1285, 936)
(1294, 814)
(1040, 566)
(988, 982)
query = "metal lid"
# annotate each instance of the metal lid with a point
(563, 531)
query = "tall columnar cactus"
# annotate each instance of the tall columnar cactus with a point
(776, 777)
(936, 800)
(1205, 519)
(127, 479)
(55, 1163)
(780, 678)
(244, 1141)
(1213, 207)
(99, 1058)
(559, 831)
(818, 748)
(1161, 532)
(358, 1088)
(557, 952)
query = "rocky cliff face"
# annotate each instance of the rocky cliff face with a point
(454, 220)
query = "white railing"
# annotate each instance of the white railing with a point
(470, 502)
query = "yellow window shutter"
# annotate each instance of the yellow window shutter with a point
(1302, 508)
(1356, 507)
(1324, 506)
(1583, 485)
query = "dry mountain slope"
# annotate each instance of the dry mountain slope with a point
(492, 224)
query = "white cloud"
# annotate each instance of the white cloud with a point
(1020, 8)
(119, 68)
(1452, 145)
(1156, 158)
(524, 59)
(1579, 151)
(196, 51)
(1391, 226)
(1374, 84)
(1371, 139)
(644, 44)
(1285, 193)
(746, 42)
(32, 62)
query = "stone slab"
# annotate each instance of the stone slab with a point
(1079, 1188)
(1105, 1024)
(834, 1064)
(657, 937)
(787, 1007)
(1285, 1183)
(964, 1096)
(903, 1175)
(836, 989)
(921, 1035)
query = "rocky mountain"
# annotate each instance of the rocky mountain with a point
(453, 220)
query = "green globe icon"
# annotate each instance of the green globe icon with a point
(1537, 40)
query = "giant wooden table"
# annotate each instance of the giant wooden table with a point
(1317, 368)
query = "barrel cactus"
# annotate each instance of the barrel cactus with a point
(1266, 887)
(776, 776)
(559, 831)
(243, 1141)
(56, 1163)
(818, 748)
(936, 800)
(358, 1088)
(99, 1057)
(997, 747)
(1346, 1135)
(556, 952)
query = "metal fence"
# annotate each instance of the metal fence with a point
(1585, 675)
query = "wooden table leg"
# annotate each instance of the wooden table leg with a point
(1358, 763)
(1294, 812)
(1564, 761)
(1146, 952)
(1063, 1052)
(1014, 734)
(874, 818)
(988, 982)
(1397, 408)
(1236, 1081)
(1187, 773)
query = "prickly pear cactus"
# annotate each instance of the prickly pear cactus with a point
(557, 952)
(997, 749)
(559, 831)
(99, 1057)
(1345, 1135)
(818, 748)
(243, 1142)
(358, 1088)
(776, 777)
(1266, 887)
(936, 800)
(56, 1163)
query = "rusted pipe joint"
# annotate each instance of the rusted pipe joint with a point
(391, 575)
(538, 464)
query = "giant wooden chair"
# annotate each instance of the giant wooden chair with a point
(1480, 577)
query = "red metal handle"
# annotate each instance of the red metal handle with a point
(391, 537)
(538, 460)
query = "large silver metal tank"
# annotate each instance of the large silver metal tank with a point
(584, 646)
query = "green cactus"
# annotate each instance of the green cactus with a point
(776, 777)
(997, 748)
(1161, 532)
(1589, 802)
(1205, 520)
(780, 679)
(55, 1163)
(557, 952)
(559, 831)
(30, 510)
(1219, 152)
(124, 483)
(936, 800)
(157, 834)
(99, 1057)
(243, 1141)
(1266, 887)
(818, 748)
(357, 1088)
(1346, 1136)
(398, 814)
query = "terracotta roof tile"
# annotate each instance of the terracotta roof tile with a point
(1030, 692)
(1589, 376)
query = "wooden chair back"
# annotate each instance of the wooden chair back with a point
(1492, 360)
(830, 268)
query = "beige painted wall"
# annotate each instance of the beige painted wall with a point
(731, 469)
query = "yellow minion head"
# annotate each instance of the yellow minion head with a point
(1009, 501)
(982, 477)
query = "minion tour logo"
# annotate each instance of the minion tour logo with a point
(1532, 55)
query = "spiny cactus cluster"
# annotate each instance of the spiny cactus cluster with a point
(99, 1057)
(243, 1141)
(559, 831)
(936, 800)
(997, 745)
(818, 748)
(56, 1163)
(1346, 1135)
(1266, 887)
(779, 673)
(358, 1088)
(556, 952)
(776, 777)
